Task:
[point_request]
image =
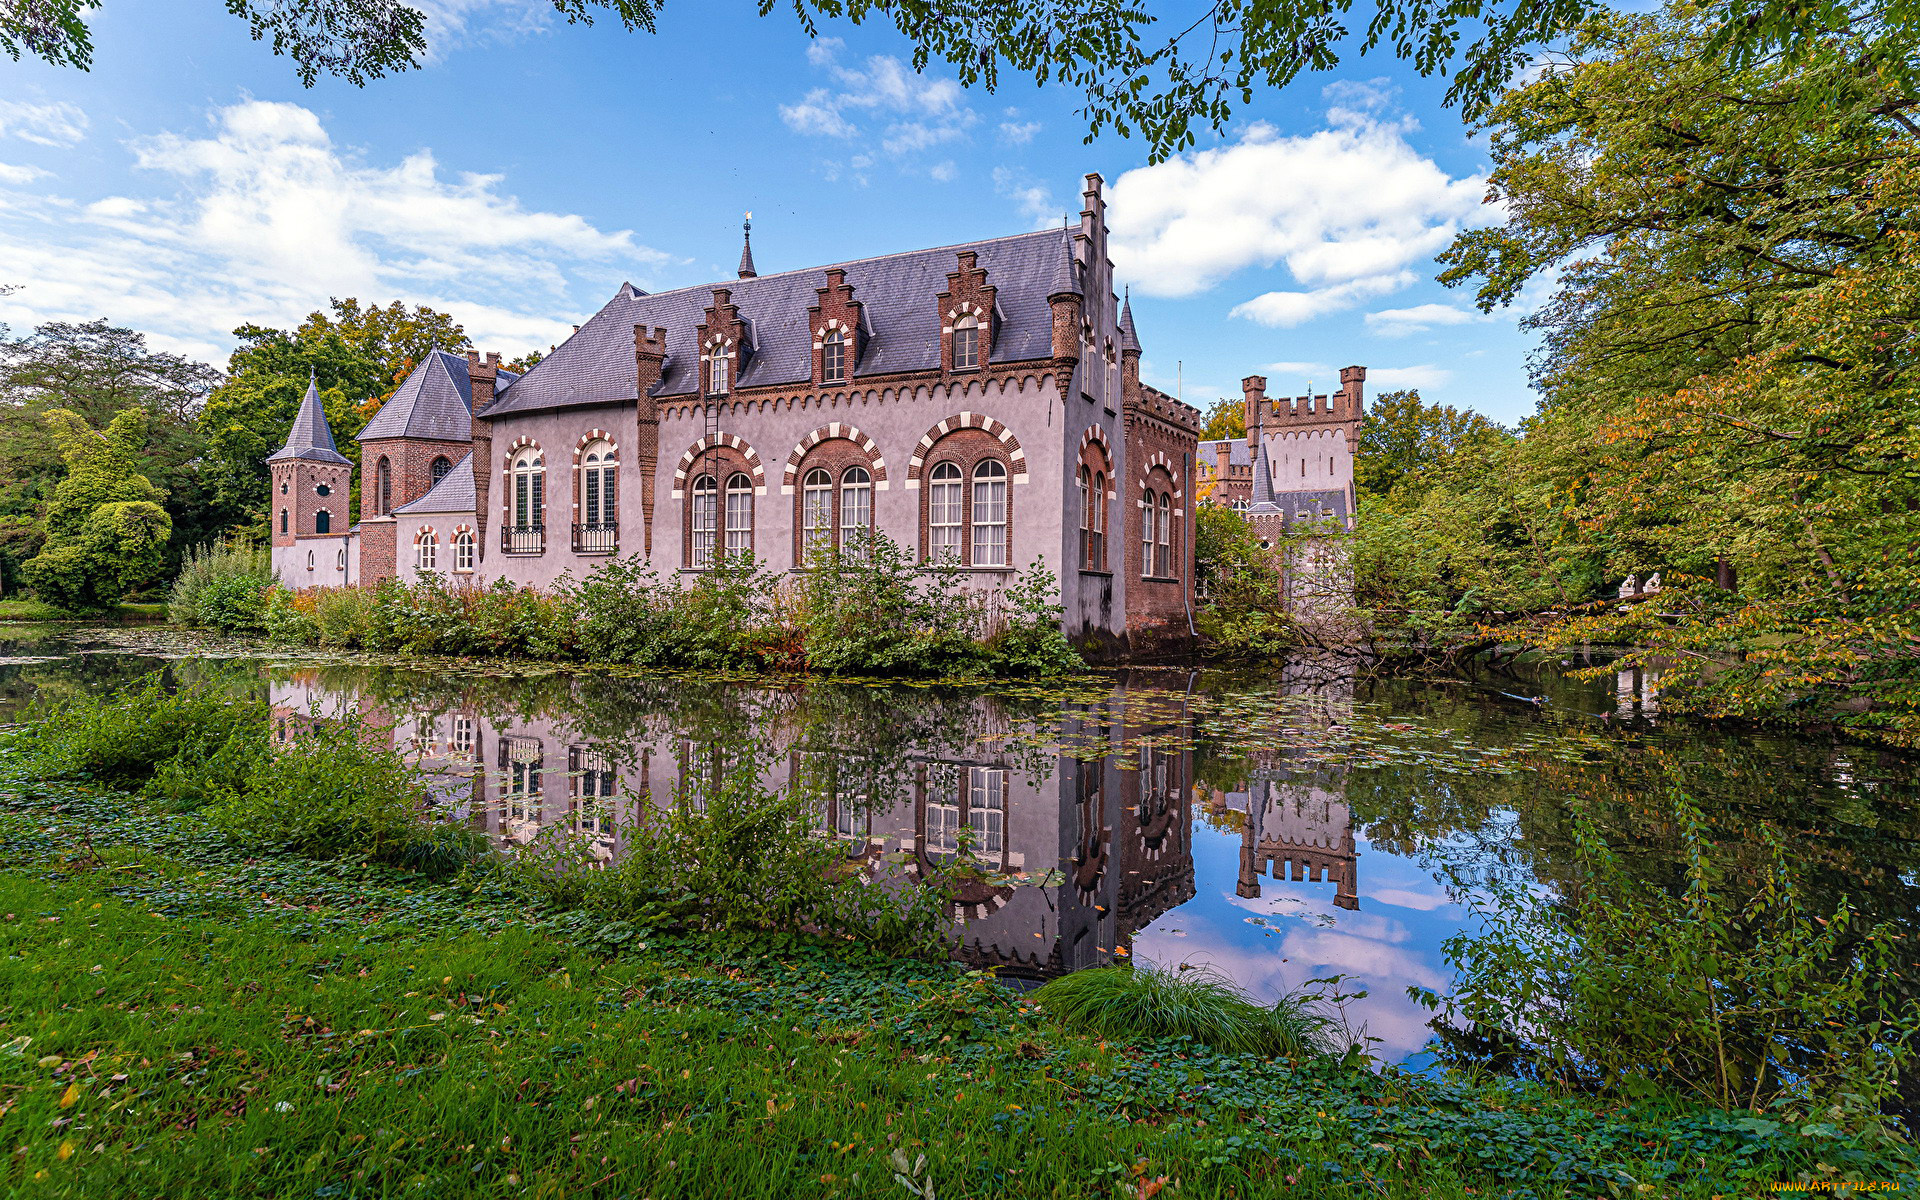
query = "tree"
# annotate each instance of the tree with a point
(1728, 356)
(1162, 75)
(1226, 420)
(97, 371)
(1404, 437)
(106, 532)
(357, 356)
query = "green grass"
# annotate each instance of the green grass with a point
(36, 610)
(1146, 1002)
(183, 1016)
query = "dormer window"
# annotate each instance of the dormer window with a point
(833, 357)
(718, 373)
(966, 343)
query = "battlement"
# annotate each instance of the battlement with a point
(1346, 405)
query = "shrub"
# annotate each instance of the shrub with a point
(1032, 642)
(1146, 1002)
(880, 613)
(332, 791)
(1622, 985)
(124, 736)
(223, 587)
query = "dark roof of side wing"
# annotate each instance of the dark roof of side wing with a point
(896, 292)
(434, 401)
(453, 494)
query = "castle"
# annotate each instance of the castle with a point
(979, 404)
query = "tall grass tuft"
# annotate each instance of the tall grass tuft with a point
(1147, 1002)
(224, 587)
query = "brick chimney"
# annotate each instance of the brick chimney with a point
(649, 361)
(1254, 390)
(481, 376)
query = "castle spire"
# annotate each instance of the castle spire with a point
(1129, 340)
(311, 438)
(746, 248)
(1066, 278)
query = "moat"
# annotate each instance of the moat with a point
(1321, 819)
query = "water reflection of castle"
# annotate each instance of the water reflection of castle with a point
(1116, 829)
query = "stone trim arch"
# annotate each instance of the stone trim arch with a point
(965, 308)
(877, 463)
(1016, 457)
(1157, 459)
(828, 326)
(732, 442)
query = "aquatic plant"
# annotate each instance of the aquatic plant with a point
(1148, 1002)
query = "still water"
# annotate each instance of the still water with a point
(1320, 819)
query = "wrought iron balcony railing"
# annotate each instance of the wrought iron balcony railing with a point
(596, 539)
(523, 539)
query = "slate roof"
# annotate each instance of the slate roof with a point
(1065, 274)
(435, 401)
(311, 438)
(453, 494)
(896, 292)
(1238, 454)
(1129, 340)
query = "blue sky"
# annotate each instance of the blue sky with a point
(189, 183)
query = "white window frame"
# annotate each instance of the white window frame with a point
(833, 357)
(946, 487)
(529, 476)
(966, 343)
(740, 513)
(463, 546)
(704, 511)
(816, 514)
(426, 550)
(599, 475)
(989, 514)
(856, 511)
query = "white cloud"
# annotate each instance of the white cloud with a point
(1286, 309)
(1018, 133)
(944, 172)
(914, 112)
(265, 218)
(1347, 209)
(456, 23)
(1035, 199)
(56, 124)
(1399, 322)
(1426, 375)
(1289, 369)
(9, 173)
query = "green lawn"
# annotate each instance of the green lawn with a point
(35, 610)
(182, 1017)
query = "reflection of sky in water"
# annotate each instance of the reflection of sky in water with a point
(1391, 943)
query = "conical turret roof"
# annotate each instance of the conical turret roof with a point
(310, 438)
(746, 249)
(1129, 340)
(1066, 274)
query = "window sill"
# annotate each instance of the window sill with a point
(932, 566)
(1158, 579)
(1096, 573)
(597, 553)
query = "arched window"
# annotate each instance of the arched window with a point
(463, 551)
(283, 520)
(1149, 506)
(706, 495)
(816, 514)
(740, 514)
(309, 560)
(599, 527)
(943, 513)
(1163, 560)
(341, 559)
(966, 343)
(856, 511)
(439, 469)
(990, 514)
(323, 522)
(1086, 517)
(526, 530)
(383, 487)
(1097, 540)
(426, 551)
(833, 357)
(717, 370)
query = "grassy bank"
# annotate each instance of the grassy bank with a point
(181, 1015)
(36, 610)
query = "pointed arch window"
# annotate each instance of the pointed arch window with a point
(441, 466)
(966, 343)
(383, 487)
(856, 512)
(816, 515)
(525, 532)
(833, 357)
(283, 520)
(943, 513)
(990, 514)
(1163, 553)
(740, 514)
(599, 528)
